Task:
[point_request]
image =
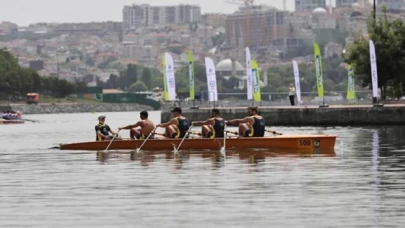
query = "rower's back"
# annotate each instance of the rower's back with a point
(219, 127)
(258, 126)
(183, 125)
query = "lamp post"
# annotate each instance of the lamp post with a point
(374, 10)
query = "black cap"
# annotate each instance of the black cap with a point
(177, 109)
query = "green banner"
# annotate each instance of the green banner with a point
(318, 70)
(256, 81)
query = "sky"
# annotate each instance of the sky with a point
(25, 12)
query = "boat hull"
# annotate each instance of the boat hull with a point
(3, 121)
(283, 142)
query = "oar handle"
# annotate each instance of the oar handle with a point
(274, 132)
(232, 132)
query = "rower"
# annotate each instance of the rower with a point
(176, 127)
(103, 130)
(251, 126)
(142, 128)
(213, 127)
(5, 115)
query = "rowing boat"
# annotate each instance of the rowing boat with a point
(283, 142)
(3, 121)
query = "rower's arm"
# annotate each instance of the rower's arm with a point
(200, 123)
(138, 124)
(239, 121)
(171, 122)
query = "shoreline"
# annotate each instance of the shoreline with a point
(57, 108)
(312, 115)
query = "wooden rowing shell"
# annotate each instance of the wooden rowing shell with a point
(3, 121)
(283, 142)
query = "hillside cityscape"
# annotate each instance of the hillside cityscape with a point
(98, 53)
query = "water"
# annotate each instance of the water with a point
(361, 186)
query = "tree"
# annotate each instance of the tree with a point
(389, 40)
(147, 77)
(138, 86)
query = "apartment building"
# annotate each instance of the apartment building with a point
(267, 26)
(391, 4)
(345, 3)
(144, 15)
(308, 5)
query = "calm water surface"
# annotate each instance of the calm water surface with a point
(361, 186)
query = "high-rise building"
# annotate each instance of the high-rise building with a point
(260, 28)
(308, 5)
(344, 3)
(144, 15)
(391, 4)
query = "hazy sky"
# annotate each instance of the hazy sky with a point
(24, 12)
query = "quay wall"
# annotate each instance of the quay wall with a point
(77, 108)
(310, 116)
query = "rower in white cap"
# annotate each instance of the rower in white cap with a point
(103, 130)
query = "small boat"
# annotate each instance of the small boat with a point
(281, 142)
(15, 121)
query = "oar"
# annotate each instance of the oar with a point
(176, 150)
(115, 135)
(34, 121)
(223, 148)
(138, 150)
(274, 132)
(269, 131)
(232, 132)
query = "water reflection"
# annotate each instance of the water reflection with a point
(253, 156)
(375, 150)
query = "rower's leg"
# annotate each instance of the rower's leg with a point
(171, 131)
(205, 131)
(135, 133)
(242, 129)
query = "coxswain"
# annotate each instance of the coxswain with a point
(251, 126)
(213, 127)
(142, 128)
(103, 131)
(176, 127)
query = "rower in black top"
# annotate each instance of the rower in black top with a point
(251, 126)
(213, 127)
(176, 127)
(103, 130)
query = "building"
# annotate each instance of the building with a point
(391, 4)
(345, 3)
(266, 27)
(308, 5)
(144, 15)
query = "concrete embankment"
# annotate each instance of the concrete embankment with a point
(77, 108)
(349, 115)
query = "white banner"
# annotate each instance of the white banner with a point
(297, 82)
(373, 63)
(170, 80)
(211, 79)
(249, 76)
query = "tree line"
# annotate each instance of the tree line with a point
(18, 81)
(137, 78)
(388, 36)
